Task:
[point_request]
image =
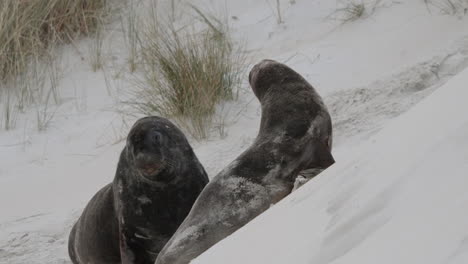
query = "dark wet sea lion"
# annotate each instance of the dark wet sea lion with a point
(157, 181)
(295, 135)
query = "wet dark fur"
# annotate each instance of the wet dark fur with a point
(131, 219)
(295, 134)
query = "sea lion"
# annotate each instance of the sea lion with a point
(295, 135)
(157, 181)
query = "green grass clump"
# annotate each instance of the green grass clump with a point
(186, 73)
(28, 27)
(30, 31)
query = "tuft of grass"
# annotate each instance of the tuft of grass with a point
(43, 114)
(448, 7)
(96, 58)
(25, 88)
(29, 32)
(10, 112)
(54, 74)
(352, 10)
(38, 87)
(130, 26)
(28, 27)
(187, 72)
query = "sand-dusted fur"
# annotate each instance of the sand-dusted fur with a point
(157, 181)
(295, 135)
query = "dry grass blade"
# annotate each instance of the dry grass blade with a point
(186, 73)
(28, 31)
(130, 25)
(448, 7)
(352, 10)
(10, 112)
(28, 27)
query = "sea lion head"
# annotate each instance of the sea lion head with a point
(267, 73)
(155, 149)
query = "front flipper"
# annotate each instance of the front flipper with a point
(136, 248)
(126, 254)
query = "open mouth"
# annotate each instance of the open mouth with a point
(150, 170)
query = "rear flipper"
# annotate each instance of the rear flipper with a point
(322, 159)
(305, 176)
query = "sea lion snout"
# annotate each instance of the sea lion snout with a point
(147, 144)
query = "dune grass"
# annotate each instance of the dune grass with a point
(28, 27)
(186, 72)
(30, 31)
(448, 7)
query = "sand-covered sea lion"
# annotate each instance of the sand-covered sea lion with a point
(157, 181)
(295, 135)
